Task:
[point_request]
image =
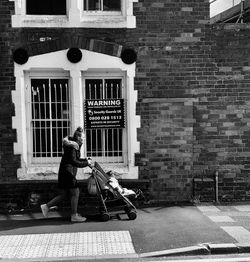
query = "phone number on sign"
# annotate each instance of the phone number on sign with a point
(105, 118)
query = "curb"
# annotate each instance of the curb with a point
(202, 249)
(218, 249)
(192, 250)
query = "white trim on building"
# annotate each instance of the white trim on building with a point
(58, 64)
(76, 17)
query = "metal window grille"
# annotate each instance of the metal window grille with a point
(102, 5)
(106, 144)
(49, 118)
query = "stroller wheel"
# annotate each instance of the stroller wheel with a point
(132, 215)
(105, 217)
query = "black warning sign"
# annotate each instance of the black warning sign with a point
(104, 113)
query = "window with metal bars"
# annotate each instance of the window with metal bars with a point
(105, 144)
(50, 117)
(102, 5)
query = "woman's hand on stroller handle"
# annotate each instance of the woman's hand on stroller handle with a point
(90, 162)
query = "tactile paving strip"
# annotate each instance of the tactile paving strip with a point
(66, 245)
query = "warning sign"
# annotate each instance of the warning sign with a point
(104, 113)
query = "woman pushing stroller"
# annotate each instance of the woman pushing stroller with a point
(67, 181)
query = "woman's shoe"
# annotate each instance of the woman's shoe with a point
(45, 210)
(77, 218)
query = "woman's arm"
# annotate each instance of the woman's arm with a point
(82, 162)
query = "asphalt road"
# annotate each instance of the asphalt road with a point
(155, 228)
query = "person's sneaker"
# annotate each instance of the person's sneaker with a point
(45, 210)
(77, 218)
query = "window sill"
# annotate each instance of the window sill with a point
(89, 21)
(116, 21)
(45, 172)
(102, 18)
(101, 13)
(102, 23)
(50, 171)
(39, 21)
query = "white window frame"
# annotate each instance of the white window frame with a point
(76, 17)
(35, 75)
(92, 64)
(110, 75)
(95, 14)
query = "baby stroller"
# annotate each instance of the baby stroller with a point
(111, 199)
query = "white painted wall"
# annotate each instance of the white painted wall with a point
(221, 5)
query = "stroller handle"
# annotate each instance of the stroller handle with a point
(93, 168)
(89, 165)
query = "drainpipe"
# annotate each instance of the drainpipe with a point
(216, 186)
(242, 7)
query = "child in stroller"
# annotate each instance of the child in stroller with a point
(113, 197)
(115, 185)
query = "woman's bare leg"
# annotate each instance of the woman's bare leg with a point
(74, 192)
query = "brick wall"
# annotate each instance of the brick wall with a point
(193, 94)
(172, 55)
(27, 196)
(222, 117)
(8, 162)
(166, 137)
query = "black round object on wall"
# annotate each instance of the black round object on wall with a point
(20, 56)
(128, 56)
(74, 55)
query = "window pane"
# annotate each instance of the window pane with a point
(94, 142)
(40, 98)
(59, 98)
(46, 7)
(105, 5)
(50, 116)
(111, 5)
(94, 89)
(92, 5)
(106, 142)
(59, 131)
(113, 146)
(113, 88)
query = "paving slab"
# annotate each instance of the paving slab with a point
(61, 245)
(221, 218)
(239, 233)
(243, 208)
(209, 208)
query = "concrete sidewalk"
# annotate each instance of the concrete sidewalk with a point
(157, 231)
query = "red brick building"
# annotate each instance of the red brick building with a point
(182, 85)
